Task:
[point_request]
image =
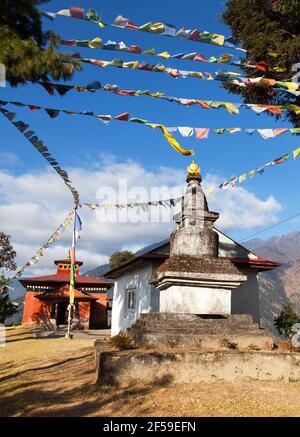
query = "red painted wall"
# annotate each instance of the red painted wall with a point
(98, 311)
(92, 314)
(84, 314)
(36, 311)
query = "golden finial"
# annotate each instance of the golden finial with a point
(193, 170)
(69, 255)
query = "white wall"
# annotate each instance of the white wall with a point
(245, 298)
(194, 300)
(139, 280)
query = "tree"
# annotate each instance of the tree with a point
(286, 319)
(119, 258)
(7, 257)
(23, 49)
(270, 31)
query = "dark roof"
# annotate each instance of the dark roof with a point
(151, 252)
(152, 247)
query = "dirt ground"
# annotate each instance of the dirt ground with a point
(42, 376)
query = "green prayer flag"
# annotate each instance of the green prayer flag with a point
(149, 51)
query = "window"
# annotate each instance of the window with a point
(130, 301)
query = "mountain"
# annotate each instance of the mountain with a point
(283, 284)
(98, 272)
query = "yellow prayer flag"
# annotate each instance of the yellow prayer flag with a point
(293, 108)
(231, 108)
(157, 95)
(296, 153)
(292, 86)
(218, 39)
(95, 43)
(233, 130)
(242, 178)
(165, 55)
(171, 140)
(131, 64)
(157, 27)
(80, 88)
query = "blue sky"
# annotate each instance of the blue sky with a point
(80, 142)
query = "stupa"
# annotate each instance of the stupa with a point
(195, 284)
(194, 279)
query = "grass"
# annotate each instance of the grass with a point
(56, 377)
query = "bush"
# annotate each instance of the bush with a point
(286, 345)
(286, 319)
(122, 341)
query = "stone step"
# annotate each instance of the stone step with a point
(243, 340)
(170, 332)
(195, 323)
(202, 325)
(185, 316)
(191, 318)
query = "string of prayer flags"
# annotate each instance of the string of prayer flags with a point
(57, 234)
(144, 205)
(230, 183)
(42, 149)
(224, 58)
(78, 13)
(232, 108)
(105, 119)
(259, 170)
(154, 27)
(223, 76)
(185, 131)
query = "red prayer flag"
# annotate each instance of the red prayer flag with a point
(123, 117)
(203, 104)
(77, 13)
(194, 35)
(262, 66)
(135, 49)
(68, 42)
(273, 109)
(200, 58)
(131, 25)
(201, 134)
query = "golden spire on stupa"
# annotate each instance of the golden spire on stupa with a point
(69, 255)
(193, 170)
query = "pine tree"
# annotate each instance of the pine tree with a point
(286, 319)
(23, 45)
(7, 257)
(270, 31)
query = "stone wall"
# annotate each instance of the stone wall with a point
(194, 367)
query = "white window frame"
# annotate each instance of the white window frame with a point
(129, 312)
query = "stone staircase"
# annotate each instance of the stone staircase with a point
(189, 330)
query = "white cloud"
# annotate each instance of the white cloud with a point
(34, 204)
(8, 159)
(241, 209)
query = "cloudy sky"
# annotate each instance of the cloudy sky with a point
(34, 201)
